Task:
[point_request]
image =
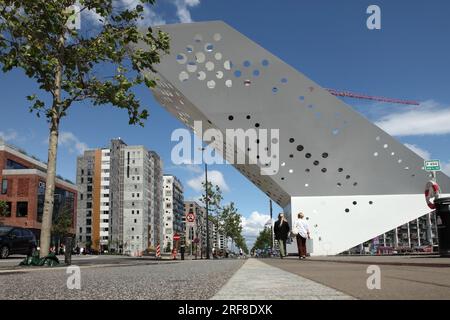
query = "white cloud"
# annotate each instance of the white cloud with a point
(252, 225)
(151, 18)
(8, 135)
(69, 140)
(421, 152)
(214, 176)
(430, 118)
(183, 12)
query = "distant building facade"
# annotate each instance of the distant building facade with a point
(23, 180)
(173, 203)
(120, 198)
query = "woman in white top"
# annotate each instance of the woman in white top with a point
(303, 233)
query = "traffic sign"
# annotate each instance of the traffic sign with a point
(432, 165)
(190, 217)
(176, 237)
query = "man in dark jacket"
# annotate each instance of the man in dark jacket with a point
(281, 230)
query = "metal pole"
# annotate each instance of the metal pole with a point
(271, 226)
(207, 213)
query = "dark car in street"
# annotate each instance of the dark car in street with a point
(15, 240)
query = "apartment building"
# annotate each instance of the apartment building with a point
(173, 211)
(120, 198)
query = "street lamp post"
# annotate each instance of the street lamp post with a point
(207, 210)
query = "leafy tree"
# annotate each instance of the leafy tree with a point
(62, 224)
(212, 195)
(264, 239)
(70, 66)
(240, 242)
(230, 222)
(4, 211)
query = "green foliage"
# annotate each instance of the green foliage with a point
(3, 208)
(264, 239)
(62, 224)
(4, 212)
(34, 36)
(230, 222)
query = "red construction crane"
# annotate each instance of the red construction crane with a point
(349, 94)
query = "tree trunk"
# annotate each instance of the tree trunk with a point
(51, 165)
(49, 190)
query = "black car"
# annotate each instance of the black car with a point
(15, 240)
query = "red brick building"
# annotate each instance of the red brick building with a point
(23, 187)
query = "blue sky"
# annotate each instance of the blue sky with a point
(328, 41)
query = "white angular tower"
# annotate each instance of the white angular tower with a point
(352, 180)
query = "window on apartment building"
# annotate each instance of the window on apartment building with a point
(132, 178)
(11, 164)
(7, 212)
(88, 238)
(132, 229)
(80, 238)
(82, 171)
(82, 180)
(106, 195)
(88, 205)
(89, 188)
(132, 204)
(132, 211)
(89, 196)
(105, 220)
(81, 196)
(138, 178)
(88, 230)
(137, 212)
(89, 173)
(133, 162)
(81, 229)
(4, 186)
(137, 195)
(88, 222)
(22, 209)
(137, 237)
(89, 213)
(132, 195)
(89, 180)
(135, 220)
(135, 170)
(135, 186)
(132, 238)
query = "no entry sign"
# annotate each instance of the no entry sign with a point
(190, 217)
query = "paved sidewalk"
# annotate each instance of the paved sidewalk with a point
(256, 280)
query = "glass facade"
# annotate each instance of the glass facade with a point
(64, 201)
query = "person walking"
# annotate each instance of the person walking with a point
(281, 230)
(302, 228)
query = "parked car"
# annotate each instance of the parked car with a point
(15, 240)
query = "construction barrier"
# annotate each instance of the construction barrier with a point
(158, 251)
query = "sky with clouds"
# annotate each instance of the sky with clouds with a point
(326, 40)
